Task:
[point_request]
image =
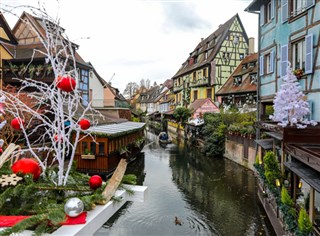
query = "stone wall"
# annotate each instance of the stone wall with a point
(235, 151)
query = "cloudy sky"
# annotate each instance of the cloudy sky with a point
(136, 39)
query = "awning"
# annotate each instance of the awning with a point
(276, 135)
(311, 176)
(117, 129)
(266, 144)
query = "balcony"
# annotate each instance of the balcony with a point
(110, 103)
(204, 81)
(177, 88)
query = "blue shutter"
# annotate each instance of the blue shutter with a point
(284, 10)
(309, 54)
(272, 8)
(284, 60)
(271, 61)
(262, 15)
(261, 69)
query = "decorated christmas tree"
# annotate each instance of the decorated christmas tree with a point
(290, 105)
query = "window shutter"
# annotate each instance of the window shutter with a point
(309, 54)
(271, 61)
(272, 8)
(262, 15)
(284, 10)
(284, 60)
(261, 69)
(309, 116)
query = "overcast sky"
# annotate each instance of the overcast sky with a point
(136, 39)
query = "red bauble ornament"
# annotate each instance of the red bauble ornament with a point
(95, 182)
(84, 124)
(15, 123)
(57, 138)
(27, 166)
(66, 83)
(1, 150)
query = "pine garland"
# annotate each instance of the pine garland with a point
(48, 211)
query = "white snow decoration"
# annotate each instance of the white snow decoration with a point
(64, 109)
(290, 105)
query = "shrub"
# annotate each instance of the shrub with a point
(304, 223)
(285, 197)
(271, 167)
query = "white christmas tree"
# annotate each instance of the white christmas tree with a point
(57, 113)
(290, 105)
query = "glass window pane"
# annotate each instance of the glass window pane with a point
(101, 148)
(93, 148)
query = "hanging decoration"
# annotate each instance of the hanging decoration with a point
(66, 83)
(27, 166)
(84, 124)
(95, 182)
(16, 123)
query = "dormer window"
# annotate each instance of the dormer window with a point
(244, 66)
(237, 81)
(252, 64)
(253, 79)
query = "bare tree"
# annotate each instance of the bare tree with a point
(131, 89)
(63, 109)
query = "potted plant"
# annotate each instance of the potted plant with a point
(49, 69)
(39, 68)
(31, 70)
(88, 155)
(298, 73)
(22, 69)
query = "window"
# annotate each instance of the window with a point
(195, 59)
(299, 6)
(205, 72)
(269, 62)
(195, 95)
(84, 86)
(298, 55)
(266, 63)
(302, 54)
(241, 56)
(205, 55)
(93, 148)
(194, 76)
(237, 80)
(209, 93)
(267, 12)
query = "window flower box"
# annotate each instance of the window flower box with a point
(298, 73)
(88, 156)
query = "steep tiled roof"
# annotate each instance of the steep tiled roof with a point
(4, 25)
(26, 51)
(245, 86)
(213, 41)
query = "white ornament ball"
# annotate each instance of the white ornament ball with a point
(73, 207)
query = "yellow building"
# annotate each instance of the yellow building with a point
(7, 43)
(211, 63)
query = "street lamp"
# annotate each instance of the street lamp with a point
(278, 184)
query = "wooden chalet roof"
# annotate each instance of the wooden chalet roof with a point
(26, 51)
(246, 86)
(6, 28)
(199, 102)
(117, 129)
(214, 42)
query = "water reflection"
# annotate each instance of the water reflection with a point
(209, 196)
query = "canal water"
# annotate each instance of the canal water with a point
(209, 196)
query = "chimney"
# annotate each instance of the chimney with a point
(251, 45)
(202, 39)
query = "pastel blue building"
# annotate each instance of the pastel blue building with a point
(289, 34)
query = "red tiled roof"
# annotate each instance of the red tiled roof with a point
(199, 102)
(246, 85)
